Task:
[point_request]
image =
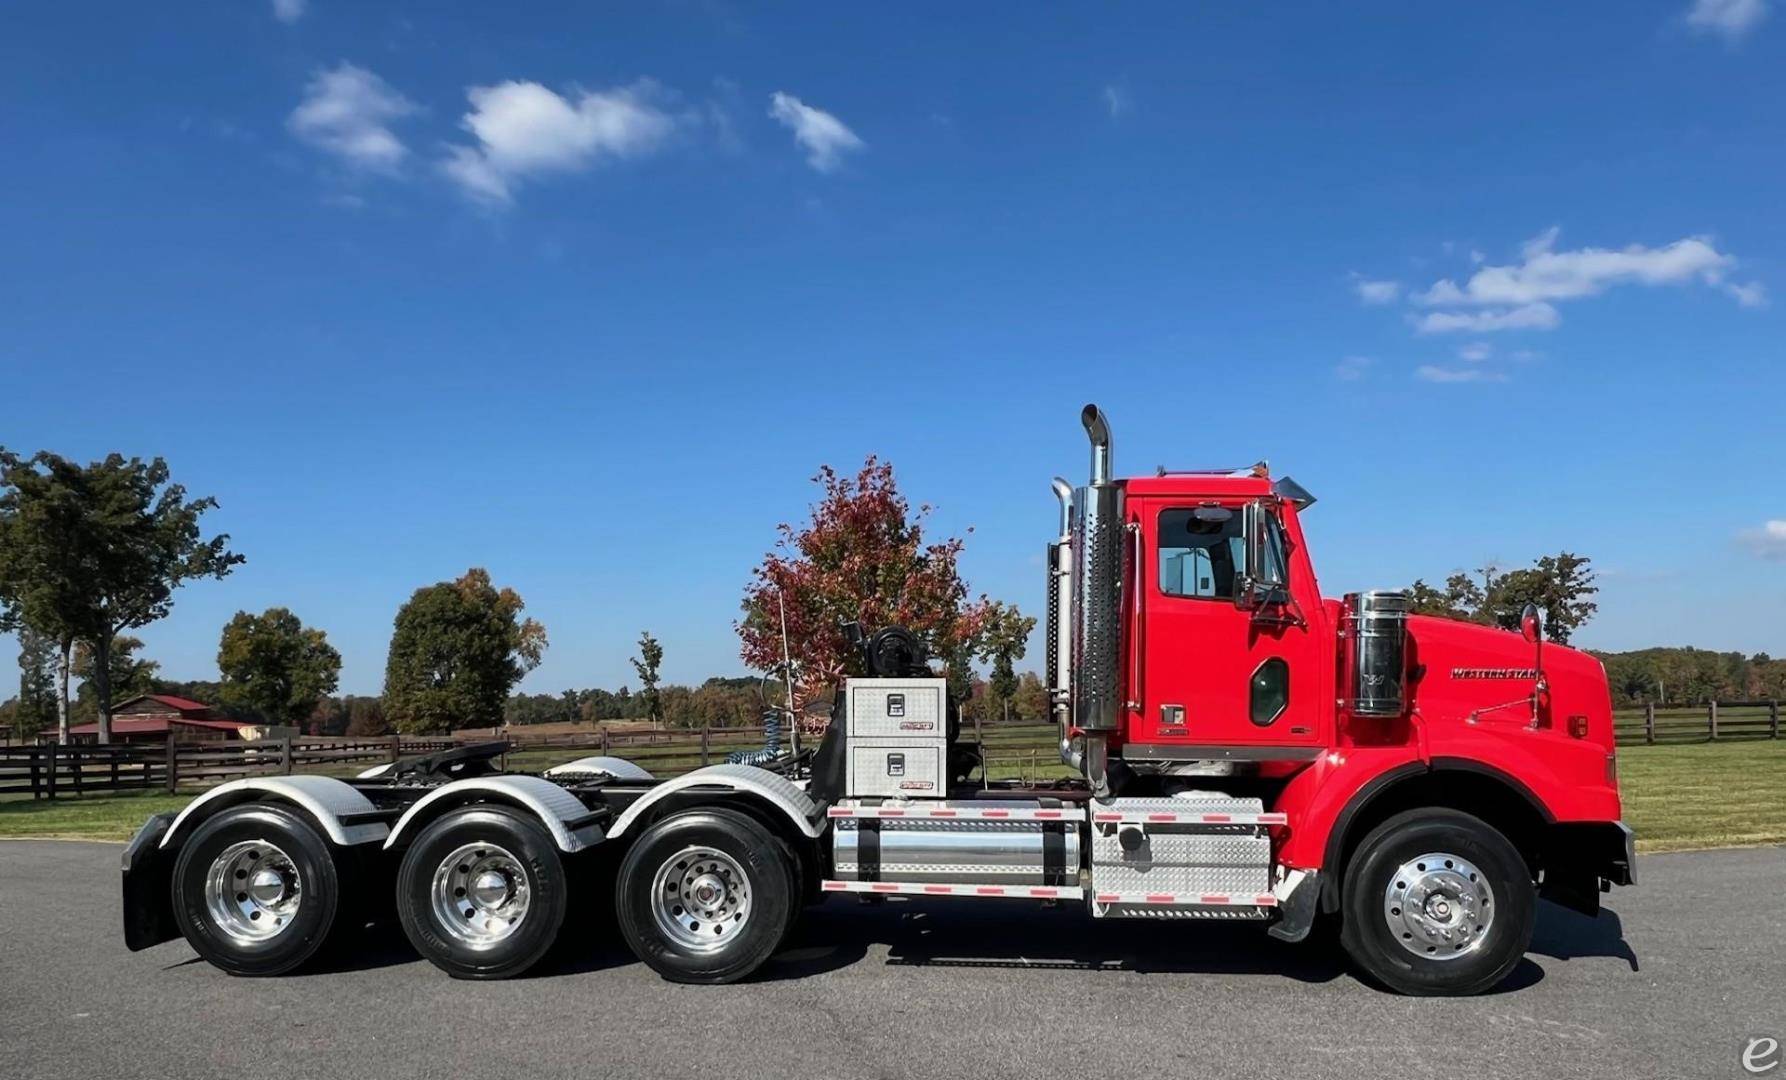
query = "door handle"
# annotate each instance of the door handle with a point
(1171, 715)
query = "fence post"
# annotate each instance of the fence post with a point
(604, 738)
(1711, 718)
(1773, 719)
(395, 747)
(50, 763)
(1649, 723)
(115, 769)
(285, 755)
(36, 773)
(173, 764)
(704, 734)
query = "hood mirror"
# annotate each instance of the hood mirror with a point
(1531, 624)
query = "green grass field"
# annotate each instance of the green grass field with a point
(1676, 797)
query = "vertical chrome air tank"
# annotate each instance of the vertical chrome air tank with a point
(1097, 587)
(1374, 653)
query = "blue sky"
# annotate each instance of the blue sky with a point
(585, 296)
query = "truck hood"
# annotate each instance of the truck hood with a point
(1459, 669)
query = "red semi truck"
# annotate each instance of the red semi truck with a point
(1243, 749)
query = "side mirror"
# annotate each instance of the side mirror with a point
(1264, 581)
(1531, 624)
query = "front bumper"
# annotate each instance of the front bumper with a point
(1584, 859)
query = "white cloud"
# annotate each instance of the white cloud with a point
(1117, 101)
(1475, 352)
(1546, 274)
(289, 11)
(347, 112)
(1769, 541)
(524, 129)
(1352, 368)
(1730, 18)
(1751, 295)
(825, 138)
(1433, 373)
(1525, 317)
(1376, 292)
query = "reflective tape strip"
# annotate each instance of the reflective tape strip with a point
(1190, 899)
(910, 888)
(1107, 817)
(961, 813)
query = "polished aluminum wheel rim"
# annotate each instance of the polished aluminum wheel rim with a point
(701, 899)
(252, 891)
(1439, 906)
(480, 895)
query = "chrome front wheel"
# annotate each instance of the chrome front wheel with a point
(1439, 906)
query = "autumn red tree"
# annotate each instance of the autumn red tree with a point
(861, 558)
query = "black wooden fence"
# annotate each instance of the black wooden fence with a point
(49, 770)
(46, 771)
(1715, 721)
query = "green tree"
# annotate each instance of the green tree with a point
(651, 656)
(35, 708)
(274, 664)
(1461, 598)
(1031, 700)
(90, 551)
(365, 716)
(1003, 641)
(129, 675)
(1562, 585)
(458, 648)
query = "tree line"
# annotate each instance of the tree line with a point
(90, 552)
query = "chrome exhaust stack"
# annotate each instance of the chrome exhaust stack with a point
(1097, 549)
(1060, 625)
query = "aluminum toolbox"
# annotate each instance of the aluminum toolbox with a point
(894, 768)
(898, 708)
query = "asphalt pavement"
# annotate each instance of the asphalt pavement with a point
(1672, 980)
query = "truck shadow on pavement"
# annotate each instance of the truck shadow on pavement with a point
(922, 933)
(919, 934)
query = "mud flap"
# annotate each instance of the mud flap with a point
(1296, 911)
(148, 887)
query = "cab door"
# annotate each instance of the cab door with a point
(1214, 672)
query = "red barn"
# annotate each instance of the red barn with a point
(157, 718)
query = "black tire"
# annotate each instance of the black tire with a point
(508, 844)
(741, 946)
(245, 829)
(1481, 957)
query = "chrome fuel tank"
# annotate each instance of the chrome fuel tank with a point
(958, 851)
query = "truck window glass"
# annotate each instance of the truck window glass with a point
(1198, 559)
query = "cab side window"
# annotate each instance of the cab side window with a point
(1201, 552)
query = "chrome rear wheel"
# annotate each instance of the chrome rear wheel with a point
(480, 894)
(253, 891)
(701, 899)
